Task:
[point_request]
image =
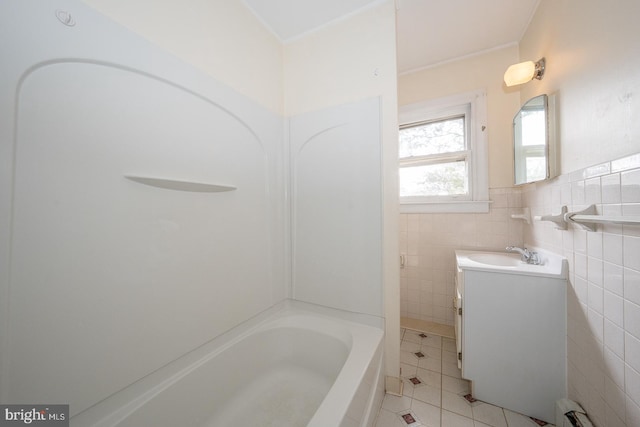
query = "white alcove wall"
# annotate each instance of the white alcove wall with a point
(336, 195)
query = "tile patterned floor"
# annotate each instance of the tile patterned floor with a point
(434, 391)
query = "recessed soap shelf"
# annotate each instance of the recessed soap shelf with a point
(173, 184)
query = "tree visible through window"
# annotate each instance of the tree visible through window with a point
(434, 158)
(443, 162)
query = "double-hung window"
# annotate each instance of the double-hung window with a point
(443, 159)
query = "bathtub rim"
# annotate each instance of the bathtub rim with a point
(118, 406)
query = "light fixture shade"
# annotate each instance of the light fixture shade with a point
(523, 72)
(518, 74)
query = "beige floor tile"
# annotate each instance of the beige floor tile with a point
(428, 394)
(451, 369)
(518, 420)
(455, 385)
(430, 377)
(431, 364)
(388, 419)
(456, 403)
(489, 414)
(429, 415)
(449, 419)
(396, 403)
(439, 400)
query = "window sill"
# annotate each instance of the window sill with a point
(446, 207)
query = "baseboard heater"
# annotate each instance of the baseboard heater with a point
(570, 414)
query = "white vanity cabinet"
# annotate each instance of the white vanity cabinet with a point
(511, 330)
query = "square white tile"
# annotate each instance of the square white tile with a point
(437, 397)
(490, 415)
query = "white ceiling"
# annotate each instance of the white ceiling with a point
(429, 31)
(289, 19)
(434, 31)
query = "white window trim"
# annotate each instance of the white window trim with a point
(479, 165)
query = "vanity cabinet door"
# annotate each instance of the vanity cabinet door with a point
(513, 340)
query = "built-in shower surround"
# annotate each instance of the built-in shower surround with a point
(104, 279)
(111, 279)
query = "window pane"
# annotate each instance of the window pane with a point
(438, 137)
(442, 179)
(533, 128)
(536, 168)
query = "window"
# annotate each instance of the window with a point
(434, 159)
(443, 160)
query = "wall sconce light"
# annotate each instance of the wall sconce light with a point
(523, 72)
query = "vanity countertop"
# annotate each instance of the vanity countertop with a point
(552, 265)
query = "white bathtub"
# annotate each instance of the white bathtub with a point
(298, 365)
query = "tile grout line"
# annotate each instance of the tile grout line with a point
(441, 381)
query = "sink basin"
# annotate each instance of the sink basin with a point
(551, 265)
(503, 260)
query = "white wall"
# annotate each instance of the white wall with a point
(482, 71)
(593, 56)
(428, 240)
(349, 61)
(220, 37)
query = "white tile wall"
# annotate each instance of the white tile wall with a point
(603, 324)
(428, 241)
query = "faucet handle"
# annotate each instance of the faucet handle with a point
(525, 255)
(534, 258)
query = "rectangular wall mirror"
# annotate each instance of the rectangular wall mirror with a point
(533, 142)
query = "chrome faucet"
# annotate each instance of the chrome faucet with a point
(527, 256)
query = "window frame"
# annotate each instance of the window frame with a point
(473, 106)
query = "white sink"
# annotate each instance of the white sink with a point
(551, 265)
(498, 259)
(507, 310)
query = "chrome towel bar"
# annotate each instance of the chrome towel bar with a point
(588, 218)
